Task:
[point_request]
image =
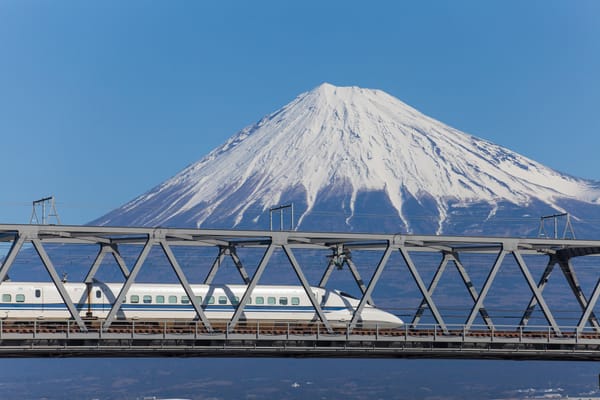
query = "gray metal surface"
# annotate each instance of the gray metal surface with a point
(581, 341)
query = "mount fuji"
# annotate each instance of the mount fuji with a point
(353, 159)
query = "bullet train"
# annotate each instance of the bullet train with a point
(31, 300)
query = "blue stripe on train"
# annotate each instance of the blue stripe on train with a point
(163, 307)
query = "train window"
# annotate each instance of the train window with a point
(222, 300)
(235, 300)
(295, 301)
(38, 293)
(185, 300)
(211, 300)
(20, 298)
(260, 300)
(147, 299)
(98, 294)
(172, 299)
(6, 298)
(160, 299)
(135, 298)
(283, 301)
(271, 300)
(199, 298)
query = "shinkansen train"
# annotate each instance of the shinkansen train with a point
(30, 300)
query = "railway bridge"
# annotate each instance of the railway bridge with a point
(448, 312)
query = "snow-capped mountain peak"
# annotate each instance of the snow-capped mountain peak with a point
(341, 142)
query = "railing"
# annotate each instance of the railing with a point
(157, 329)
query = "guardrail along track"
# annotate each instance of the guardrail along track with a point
(41, 338)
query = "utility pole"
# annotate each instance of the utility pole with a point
(280, 209)
(568, 230)
(47, 207)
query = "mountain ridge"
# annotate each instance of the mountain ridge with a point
(343, 143)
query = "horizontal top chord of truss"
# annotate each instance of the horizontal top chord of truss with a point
(245, 238)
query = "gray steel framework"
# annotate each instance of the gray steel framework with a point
(341, 245)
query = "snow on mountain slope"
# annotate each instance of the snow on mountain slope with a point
(341, 142)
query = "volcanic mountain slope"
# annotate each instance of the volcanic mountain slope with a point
(361, 160)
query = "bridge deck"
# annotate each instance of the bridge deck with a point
(188, 339)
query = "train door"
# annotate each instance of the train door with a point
(38, 295)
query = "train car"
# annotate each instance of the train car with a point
(32, 300)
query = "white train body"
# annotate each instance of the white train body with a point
(31, 300)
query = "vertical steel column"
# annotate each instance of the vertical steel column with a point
(255, 278)
(541, 285)
(128, 282)
(37, 244)
(538, 294)
(10, 257)
(306, 286)
(374, 279)
(184, 282)
(422, 288)
(485, 289)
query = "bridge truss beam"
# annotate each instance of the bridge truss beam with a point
(227, 243)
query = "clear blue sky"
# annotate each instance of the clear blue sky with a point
(100, 101)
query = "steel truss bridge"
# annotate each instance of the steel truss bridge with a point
(477, 337)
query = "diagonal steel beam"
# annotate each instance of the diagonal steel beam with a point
(227, 251)
(96, 264)
(253, 282)
(10, 257)
(307, 288)
(215, 266)
(184, 282)
(128, 282)
(374, 279)
(37, 244)
(120, 262)
(471, 288)
(239, 265)
(589, 308)
(358, 279)
(419, 281)
(536, 292)
(569, 273)
(485, 289)
(541, 285)
(327, 273)
(432, 286)
(104, 250)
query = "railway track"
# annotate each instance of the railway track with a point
(162, 327)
